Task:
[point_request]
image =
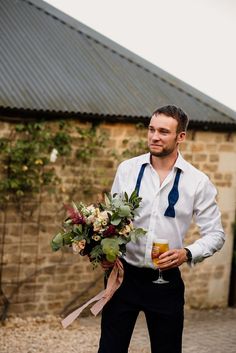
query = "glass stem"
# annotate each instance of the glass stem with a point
(160, 274)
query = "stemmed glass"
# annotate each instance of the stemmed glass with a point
(159, 246)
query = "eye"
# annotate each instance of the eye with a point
(164, 132)
(151, 129)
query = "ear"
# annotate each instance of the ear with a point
(181, 136)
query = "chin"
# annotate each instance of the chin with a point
(160, 153)
(155, 150)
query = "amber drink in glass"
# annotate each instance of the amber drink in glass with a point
(159, 246)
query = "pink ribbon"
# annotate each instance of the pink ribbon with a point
(114, 281)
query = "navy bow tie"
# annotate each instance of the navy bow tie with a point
(173, 194)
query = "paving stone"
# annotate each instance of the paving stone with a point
(206, 331)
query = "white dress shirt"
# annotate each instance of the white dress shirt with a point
(196, 199)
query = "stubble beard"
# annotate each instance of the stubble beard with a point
(163, 153)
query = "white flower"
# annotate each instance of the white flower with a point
(104, 218)
(90, 219)
(53, 155)
(104, 215)
(126, 230)
(97, 225)
(91, 209)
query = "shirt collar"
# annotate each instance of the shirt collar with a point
(144, 159)
(179, 163)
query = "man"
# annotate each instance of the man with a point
(172, 191)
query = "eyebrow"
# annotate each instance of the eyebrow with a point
(160, 128)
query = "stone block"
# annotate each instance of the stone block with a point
(214, 157)
(10, 273)
(210, 168)
(200, 157)
(226, 147)
(19, 308)
(198, 147)
(218, 176)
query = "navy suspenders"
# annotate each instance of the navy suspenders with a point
(173, 195)
(140, 176)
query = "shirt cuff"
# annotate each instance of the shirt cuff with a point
(196, 252)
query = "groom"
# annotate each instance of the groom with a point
(172, 191)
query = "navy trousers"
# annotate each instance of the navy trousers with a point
(162, 305)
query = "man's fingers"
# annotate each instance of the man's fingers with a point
(172, 258)
(167, 254)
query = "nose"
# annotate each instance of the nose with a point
(155, 135)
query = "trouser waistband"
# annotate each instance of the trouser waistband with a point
(146, 273)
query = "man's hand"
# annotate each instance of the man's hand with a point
(172, 258)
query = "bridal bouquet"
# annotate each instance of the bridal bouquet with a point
(100, 231)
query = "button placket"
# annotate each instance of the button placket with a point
(152, 229)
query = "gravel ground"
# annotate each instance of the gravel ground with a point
(205, 332)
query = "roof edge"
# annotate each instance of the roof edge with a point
(21, 115)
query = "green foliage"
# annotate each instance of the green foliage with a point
(25, 158)
(91, 139)
(133, 146)
(62, 139)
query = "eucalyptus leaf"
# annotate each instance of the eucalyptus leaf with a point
(110, 244)
(57, 242)
(123, 240)
(116, 221)
(58, 239)
(136, 233)
(107, 201)
(67, 238)
(124, 211)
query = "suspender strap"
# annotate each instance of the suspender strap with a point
(140, 176)
(173, 196)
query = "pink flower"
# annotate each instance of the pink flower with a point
(77, 246)
(75, 216)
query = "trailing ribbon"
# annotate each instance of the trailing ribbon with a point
(114, 281)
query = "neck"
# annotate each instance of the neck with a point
(165, 163)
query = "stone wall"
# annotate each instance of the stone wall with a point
(214, 153)
(35, 280)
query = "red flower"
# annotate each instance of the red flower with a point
(109, 231)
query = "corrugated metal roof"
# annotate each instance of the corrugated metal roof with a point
(50, 62)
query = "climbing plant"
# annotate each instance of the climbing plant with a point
(26, 157)
(90, 140)
(133, 146)
(28, 154)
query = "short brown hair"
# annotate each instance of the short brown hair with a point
(176, 113)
